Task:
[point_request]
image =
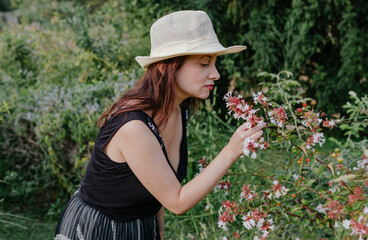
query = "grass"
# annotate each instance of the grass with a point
(20, 227)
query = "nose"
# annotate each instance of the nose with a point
(214, 74)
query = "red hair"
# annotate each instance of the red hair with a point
(154, 91)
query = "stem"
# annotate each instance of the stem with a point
(289, 105)
(301, 149)
(343, 183)
(300, 185)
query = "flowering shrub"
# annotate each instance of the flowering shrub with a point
(313, 190)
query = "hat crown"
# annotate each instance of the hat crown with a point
(178, 27)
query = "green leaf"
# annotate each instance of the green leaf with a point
(301, 189)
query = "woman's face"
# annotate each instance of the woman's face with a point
(196, 77)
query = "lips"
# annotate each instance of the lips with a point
(210, 87)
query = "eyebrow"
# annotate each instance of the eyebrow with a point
(206, 56)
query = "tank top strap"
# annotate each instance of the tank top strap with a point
(113, 124)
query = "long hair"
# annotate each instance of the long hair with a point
(154, 91)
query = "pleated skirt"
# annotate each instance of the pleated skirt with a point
(80, 221)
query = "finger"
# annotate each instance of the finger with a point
(255, 129)
(256, 135)
(261, 140)
(245, 127)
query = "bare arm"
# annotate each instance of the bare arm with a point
(146, 159)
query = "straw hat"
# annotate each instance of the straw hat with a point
(184, 33)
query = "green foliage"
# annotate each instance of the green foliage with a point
(357, 116)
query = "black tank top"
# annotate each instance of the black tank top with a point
(112, 187)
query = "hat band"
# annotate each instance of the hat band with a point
(182, 46)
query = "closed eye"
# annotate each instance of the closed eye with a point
(205, 64)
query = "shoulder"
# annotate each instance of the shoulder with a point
(137, 124)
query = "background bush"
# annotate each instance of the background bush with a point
(62, 63)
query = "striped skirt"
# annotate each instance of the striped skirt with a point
(80, 221)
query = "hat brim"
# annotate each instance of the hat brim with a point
(217, 49)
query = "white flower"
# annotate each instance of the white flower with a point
(228, 95)
(334, 189)
(260, 223)
(277, 194)
(296, 176)
(247, 225)
(346, 224)
(222, 225)
(224, 238)
(275, 182)
(365, 210)
(321, 209)
(265, 234)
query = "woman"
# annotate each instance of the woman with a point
(140, 154)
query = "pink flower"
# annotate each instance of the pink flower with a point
(260, 220)
(236, 235)
(359, 227)
(357, 195)
(227, 213)
(313, 140)
(224, 186)
(241, 110)
(260, 98)
(328, 123)
(247, 194)
(278, 116)
(335, 210)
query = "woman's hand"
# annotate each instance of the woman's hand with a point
(235, 145)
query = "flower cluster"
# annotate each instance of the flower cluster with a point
(360, 227)
(202, 164)
(277, 191)
(311, 119)
(260, 220)
(345, 198)
(334, 210)
(278, 116)
(241, 110)
(252, 146)
(227, 213)
(260, 98)
(356, 196)
(362, 164)
(328, 123)
(317, 138)
(247, 194)
(224, 185)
